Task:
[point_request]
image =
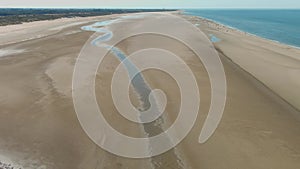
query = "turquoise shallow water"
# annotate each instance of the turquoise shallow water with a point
(278, 25)
(214, 39)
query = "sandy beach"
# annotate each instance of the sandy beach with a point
(39, 127)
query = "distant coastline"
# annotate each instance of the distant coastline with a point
(12, 16)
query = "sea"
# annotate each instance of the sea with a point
(282, 26)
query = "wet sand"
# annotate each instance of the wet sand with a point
(39, 127)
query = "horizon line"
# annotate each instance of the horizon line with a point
(173, 8)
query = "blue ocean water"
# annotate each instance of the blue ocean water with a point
(278, 25)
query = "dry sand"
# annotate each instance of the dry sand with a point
(38, 124)
(274, 64)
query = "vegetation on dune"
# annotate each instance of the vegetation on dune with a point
(10, 16)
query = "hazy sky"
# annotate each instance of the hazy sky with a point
(153, 3)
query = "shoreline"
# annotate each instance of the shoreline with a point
(262, 58)
(180, 12)
(240, 31)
